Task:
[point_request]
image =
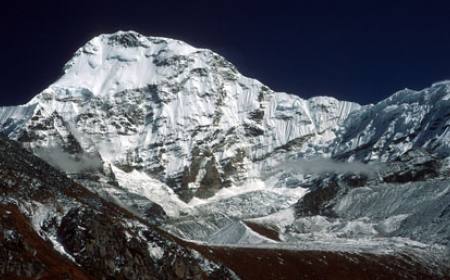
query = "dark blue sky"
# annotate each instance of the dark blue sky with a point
(352, 50)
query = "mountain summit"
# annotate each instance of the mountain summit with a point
(112, 63)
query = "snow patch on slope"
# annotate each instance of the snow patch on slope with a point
(279, 219)
(40, 213)
(251, 186)
(238, 233)
(140, 183)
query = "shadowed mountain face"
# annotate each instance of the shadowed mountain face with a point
(25, 254)
(180, 139)
(51, 227)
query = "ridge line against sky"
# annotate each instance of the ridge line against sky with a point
(352, 51)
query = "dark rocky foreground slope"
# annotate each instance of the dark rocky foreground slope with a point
(53, 228)
(274, 263)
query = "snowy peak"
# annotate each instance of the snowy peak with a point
(184, 116)
(408, 119)
(111, 63)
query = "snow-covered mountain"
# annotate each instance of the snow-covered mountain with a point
(407, 120)
(176, 135)
(184, 116)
